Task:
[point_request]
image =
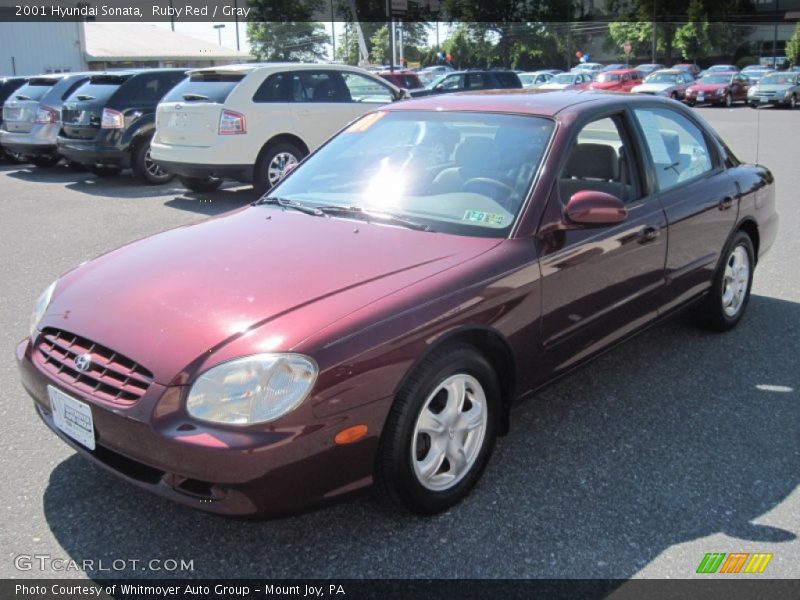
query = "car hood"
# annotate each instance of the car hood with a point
(772, 88)
(555, 86)
(169, 299)
(653, 87)
(708, 87)
(605, 85)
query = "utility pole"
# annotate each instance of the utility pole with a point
(236, 22)
(219, 29)
(775, 36)
(654, 31)
(333, 34)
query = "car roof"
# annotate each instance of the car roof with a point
(672, 71)
(251, 67)
(532, 102)
(620, 71)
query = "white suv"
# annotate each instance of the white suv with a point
(247, 122)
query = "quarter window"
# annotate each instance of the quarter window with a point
(677, 146)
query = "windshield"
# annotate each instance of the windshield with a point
(461, 173)
(778, 79)
(563, 78)
(661, 78)
(608, 77)
(706, 79)
(99, 88)
(722, 68)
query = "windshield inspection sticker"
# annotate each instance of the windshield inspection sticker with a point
(477, 216)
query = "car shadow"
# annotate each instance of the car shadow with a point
(676, 435)
(213, 203)
(58, 174)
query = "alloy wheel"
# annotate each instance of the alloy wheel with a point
(276, 166)
(449, 432)
(153, 168)
(735, 281)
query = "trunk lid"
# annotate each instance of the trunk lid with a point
(189, 114)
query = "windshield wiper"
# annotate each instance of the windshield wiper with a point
(287, 203)
(360, 213)
(23, 97)
(190, 97)
(84, 97)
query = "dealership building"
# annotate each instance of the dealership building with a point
(28, 48)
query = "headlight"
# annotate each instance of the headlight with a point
(41, 306)
(255, 389)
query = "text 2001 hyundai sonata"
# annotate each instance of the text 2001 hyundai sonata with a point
(375, 315)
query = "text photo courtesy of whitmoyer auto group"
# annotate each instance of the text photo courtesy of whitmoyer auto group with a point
(351, 299)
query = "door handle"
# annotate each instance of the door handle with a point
(726, 203)
(648, 234)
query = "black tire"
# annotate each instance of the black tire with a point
(15, 158)
(45, 162)
(691, 104)
(728, 100)
(261, 181)
(674, 95)
(394, 471)
(145, 169)
(711, 313)
(77, 167)
(201, 184)
(105, 170)
(793, 102)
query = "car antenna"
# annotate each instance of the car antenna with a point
(758, 130)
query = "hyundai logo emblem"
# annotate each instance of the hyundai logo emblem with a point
(83, 362)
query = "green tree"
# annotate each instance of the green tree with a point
(288, 41)
(793, 47)
(692, 38)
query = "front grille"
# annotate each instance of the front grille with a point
(109, 376)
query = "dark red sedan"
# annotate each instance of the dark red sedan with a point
(621, 80)
(374, 317)
(721, 89)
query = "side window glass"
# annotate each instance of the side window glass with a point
(364, 89)
(146, 89)
(317, 86)
(453, 82)
(600, 160)
(275, 88)
(677, 146)
(475, 81)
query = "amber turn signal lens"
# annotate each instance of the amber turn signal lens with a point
(350, 435)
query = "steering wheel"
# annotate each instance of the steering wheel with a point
(503, 188)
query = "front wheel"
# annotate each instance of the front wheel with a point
(725, 304)
(728, 101)
(440, 431)
(793, 102)
(201, 184)
(146, 169)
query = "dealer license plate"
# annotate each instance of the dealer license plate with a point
(72, 416)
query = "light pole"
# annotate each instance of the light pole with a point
(219, 29)
(654, 31)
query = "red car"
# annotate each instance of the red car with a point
(374, 317)
(718, 88)
(403, 79)
(621, 80)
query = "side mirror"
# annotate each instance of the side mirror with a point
(403, 94)
(590, 207)
(439, 87)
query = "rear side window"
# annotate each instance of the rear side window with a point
(275, 88)
(508, 80)
(364, 89)
(99, 88)
(318, 86)
(204, 87)
(34, 89)
(149, 88)
(677, 146)
(476, 81)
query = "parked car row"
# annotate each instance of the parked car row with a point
(249, 122)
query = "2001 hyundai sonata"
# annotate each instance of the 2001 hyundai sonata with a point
(375, 315)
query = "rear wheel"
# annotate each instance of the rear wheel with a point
(45, 161)
(105, 170)
(725, 304)
(440, 431)
(77, 167)
(15, 157)
(201, 184)
(273, 161)
(793, 102)
(146, 169)
(728, 101)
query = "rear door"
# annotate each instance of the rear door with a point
(19, 111)
(189, 114)
(699, 196)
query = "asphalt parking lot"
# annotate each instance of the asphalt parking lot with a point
(676, 444)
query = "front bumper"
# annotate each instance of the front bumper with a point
(756, 100)
(90, 152)
(243, 472)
